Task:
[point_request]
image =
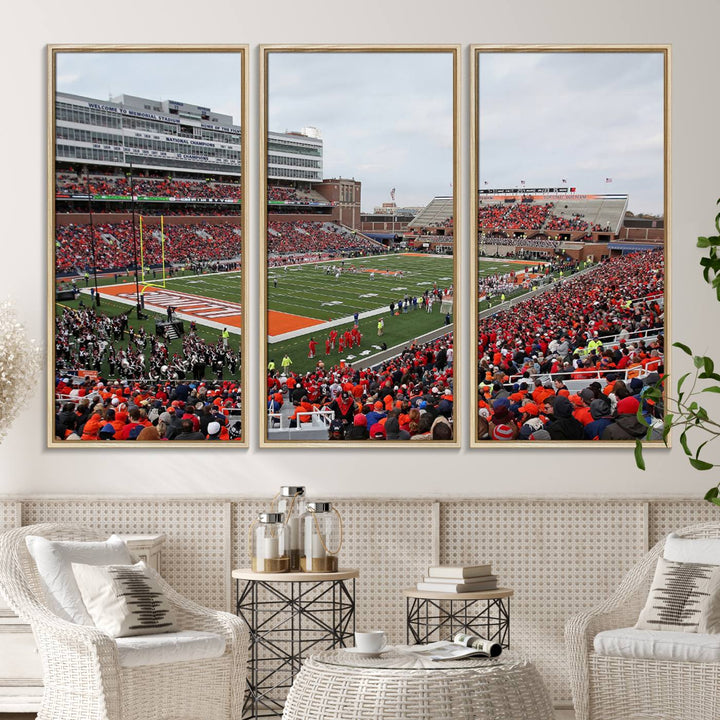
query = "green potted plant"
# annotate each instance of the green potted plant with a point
(684, 410)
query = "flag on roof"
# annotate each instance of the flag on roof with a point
(392, 194)
(564, 180)
(522, 182)
(607, 180)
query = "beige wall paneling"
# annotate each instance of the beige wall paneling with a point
(193, 557)
(560, 557)
(668, 515)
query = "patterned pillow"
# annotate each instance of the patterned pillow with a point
(684, 597)
(124, 600)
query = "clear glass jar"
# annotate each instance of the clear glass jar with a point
(322, 538)
(269, 547)
(291, 503)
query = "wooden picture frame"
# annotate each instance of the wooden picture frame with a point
(510, 116)
(146, 202)
(339, 203)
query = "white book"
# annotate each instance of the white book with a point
(456, 581)
(460, 572)
(457, 587)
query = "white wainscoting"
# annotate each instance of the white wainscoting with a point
(559, 555)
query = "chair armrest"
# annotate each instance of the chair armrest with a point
(70, 650)
(192, 616)
(619, 610)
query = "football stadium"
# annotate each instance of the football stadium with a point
(148, 263)
(567, 356)
(360, 306)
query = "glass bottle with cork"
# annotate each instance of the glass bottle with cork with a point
(291, 502)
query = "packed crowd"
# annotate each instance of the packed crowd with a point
(121, 410)
(314, 237)
(114, 244)
(529, 216)
(583, 329)
(132, 379)
(409, 397)
(177, 188)
(154, 209)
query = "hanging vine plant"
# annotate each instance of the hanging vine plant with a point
(684, 411)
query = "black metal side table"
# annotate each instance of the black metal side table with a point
(435, 616)
(289, 615)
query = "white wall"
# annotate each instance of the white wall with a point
(26, 467)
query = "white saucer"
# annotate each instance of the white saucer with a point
(356, 651)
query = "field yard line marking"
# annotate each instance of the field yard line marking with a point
(183, 316)
(178, 278)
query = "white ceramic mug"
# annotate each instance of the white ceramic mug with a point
(373, 641)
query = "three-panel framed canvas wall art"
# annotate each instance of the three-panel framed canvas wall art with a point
(360, 246)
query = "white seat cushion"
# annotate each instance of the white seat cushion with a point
(658, 645)
(169, 648)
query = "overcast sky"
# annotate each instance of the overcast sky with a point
(386, 119)
(211, 80)
(579, 116)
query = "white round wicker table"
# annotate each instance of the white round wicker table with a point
(340, 685)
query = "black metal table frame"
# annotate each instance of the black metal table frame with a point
(310, 616)
(427, 616)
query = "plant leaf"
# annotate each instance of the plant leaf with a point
(713, 389)
(667, 426)
(698, 361)
(683, 347)
(712, 493)
(639, 460)
(684, 443)
(701, 464)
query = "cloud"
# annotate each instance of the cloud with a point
(386, 118)
(580, 116)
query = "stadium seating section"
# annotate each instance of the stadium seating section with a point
(574, 215)
(314, 237)
(115, 185)
(114, 245)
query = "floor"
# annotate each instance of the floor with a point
(559, 715)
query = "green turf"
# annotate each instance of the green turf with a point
(127, 278)
(307, 289)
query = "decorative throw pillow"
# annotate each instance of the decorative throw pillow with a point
(124, 600)
(53, 559)
(684, 597)
(692, 550)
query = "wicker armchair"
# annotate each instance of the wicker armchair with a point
(81, 671)
(614, 688)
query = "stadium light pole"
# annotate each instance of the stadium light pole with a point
(92, 237)
(134, 239)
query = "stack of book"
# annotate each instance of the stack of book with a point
(458, 579)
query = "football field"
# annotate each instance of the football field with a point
(310, 300)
